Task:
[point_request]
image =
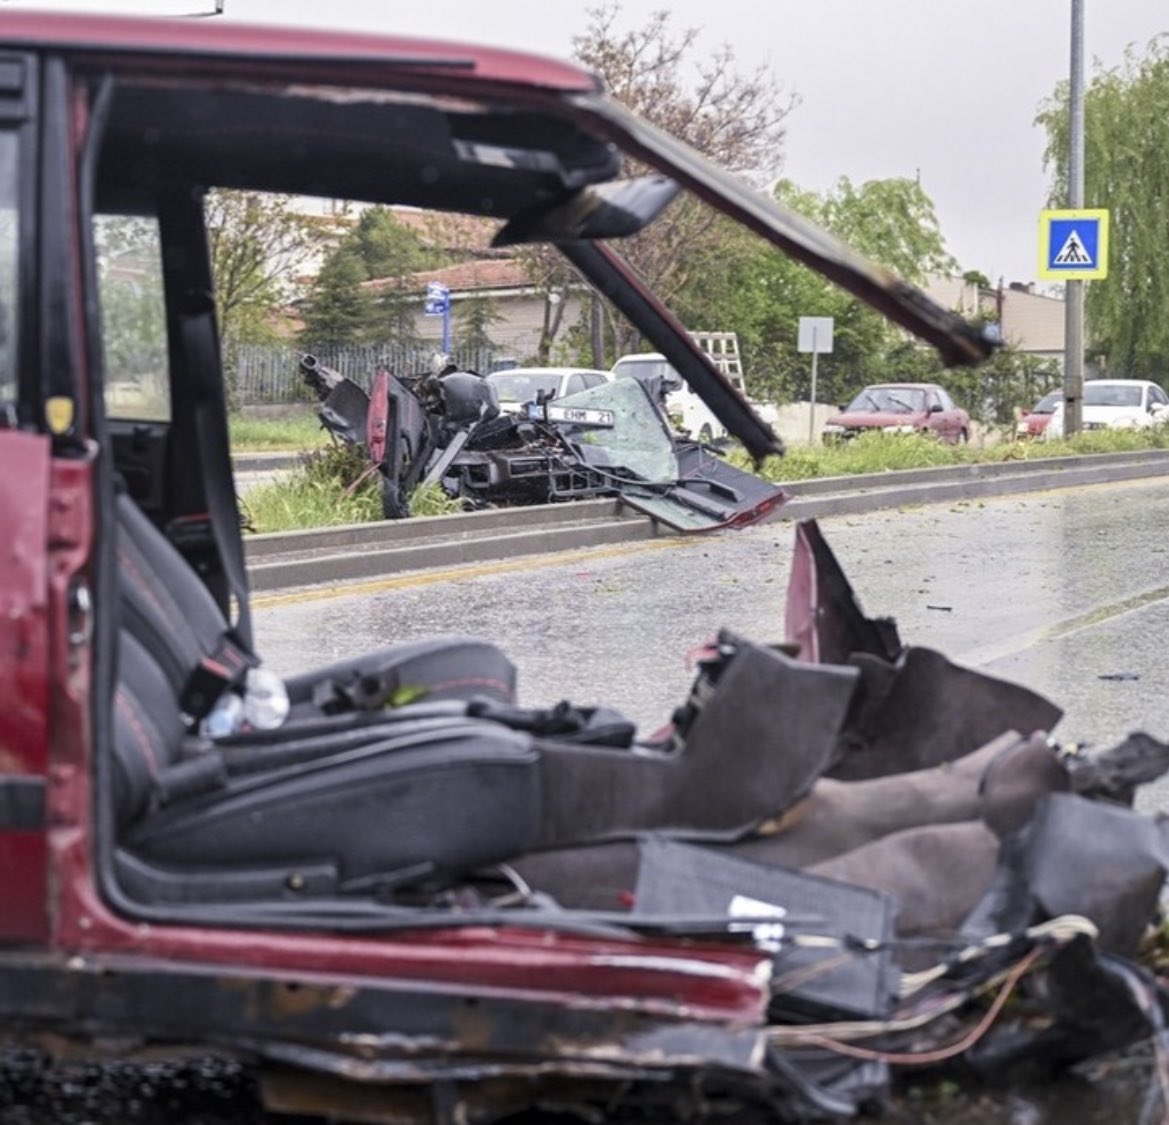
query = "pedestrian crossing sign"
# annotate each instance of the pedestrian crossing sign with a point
(1073, 245)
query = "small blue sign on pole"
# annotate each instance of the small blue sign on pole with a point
(1073, 245)
(438, 299)
(438, 303)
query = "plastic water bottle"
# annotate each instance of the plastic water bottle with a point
(225, 718)
(265, 700)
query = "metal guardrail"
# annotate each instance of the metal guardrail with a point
(358, 552)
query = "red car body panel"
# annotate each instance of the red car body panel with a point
(24, 672)
(945, 424)
(205, 40)
(1035, 423)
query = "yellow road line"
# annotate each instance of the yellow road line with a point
(452, 574)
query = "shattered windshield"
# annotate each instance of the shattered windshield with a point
(639, 439)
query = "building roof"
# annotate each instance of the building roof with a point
(449, 230)
(480, 274)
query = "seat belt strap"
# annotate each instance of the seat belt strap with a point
(222, 669)
(199, 346)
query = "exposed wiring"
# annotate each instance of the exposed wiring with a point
(834, 1036)
(867, 1029)
(794, 978)
(1061, 930)
(925, 1058)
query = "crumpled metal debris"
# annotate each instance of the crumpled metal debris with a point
(948, 859)
(445, 428)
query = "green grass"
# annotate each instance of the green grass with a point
(325, 490)
(331, 487)
(879, 452)
(295, 433)
(432, 500)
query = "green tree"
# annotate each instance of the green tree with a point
(995, 390)
(761, 293)
(1126, 153)
(891, 221)
(387, 246)
(342, 308)
(393, 254)
(339, 309)
(473, 319)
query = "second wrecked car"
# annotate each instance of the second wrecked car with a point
(446, 428)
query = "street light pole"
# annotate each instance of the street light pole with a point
(1073, 339)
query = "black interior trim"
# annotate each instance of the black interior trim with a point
(103, 575)
(24, 118)
(22, 803)
(480, 160)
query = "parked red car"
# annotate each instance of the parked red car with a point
(903, 408)
(1034, 421)
(320, 877)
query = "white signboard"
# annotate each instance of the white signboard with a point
(815, 335)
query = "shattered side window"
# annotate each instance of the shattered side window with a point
(133, 315)
(9, 303)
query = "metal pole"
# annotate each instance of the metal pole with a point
(446, 326)
(1073, 339)
(812, 396)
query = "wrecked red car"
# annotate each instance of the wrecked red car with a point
(388, 889)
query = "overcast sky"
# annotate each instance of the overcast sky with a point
(944, 89)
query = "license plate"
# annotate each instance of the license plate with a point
(580, 415)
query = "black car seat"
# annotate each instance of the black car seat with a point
(169, 610)
(369, 799)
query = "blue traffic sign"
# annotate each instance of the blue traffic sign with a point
(438, 299)
(1073, 245)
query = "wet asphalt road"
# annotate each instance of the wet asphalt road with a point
(1066, 592)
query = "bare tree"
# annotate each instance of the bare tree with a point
(551, 276)
(735, 119)
(259, 245)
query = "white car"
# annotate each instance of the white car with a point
(1115, 404)
(517, 386)
(685, 406)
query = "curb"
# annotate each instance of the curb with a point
(282, 560)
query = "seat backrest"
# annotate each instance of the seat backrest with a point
(148, 728)
(164, 602)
